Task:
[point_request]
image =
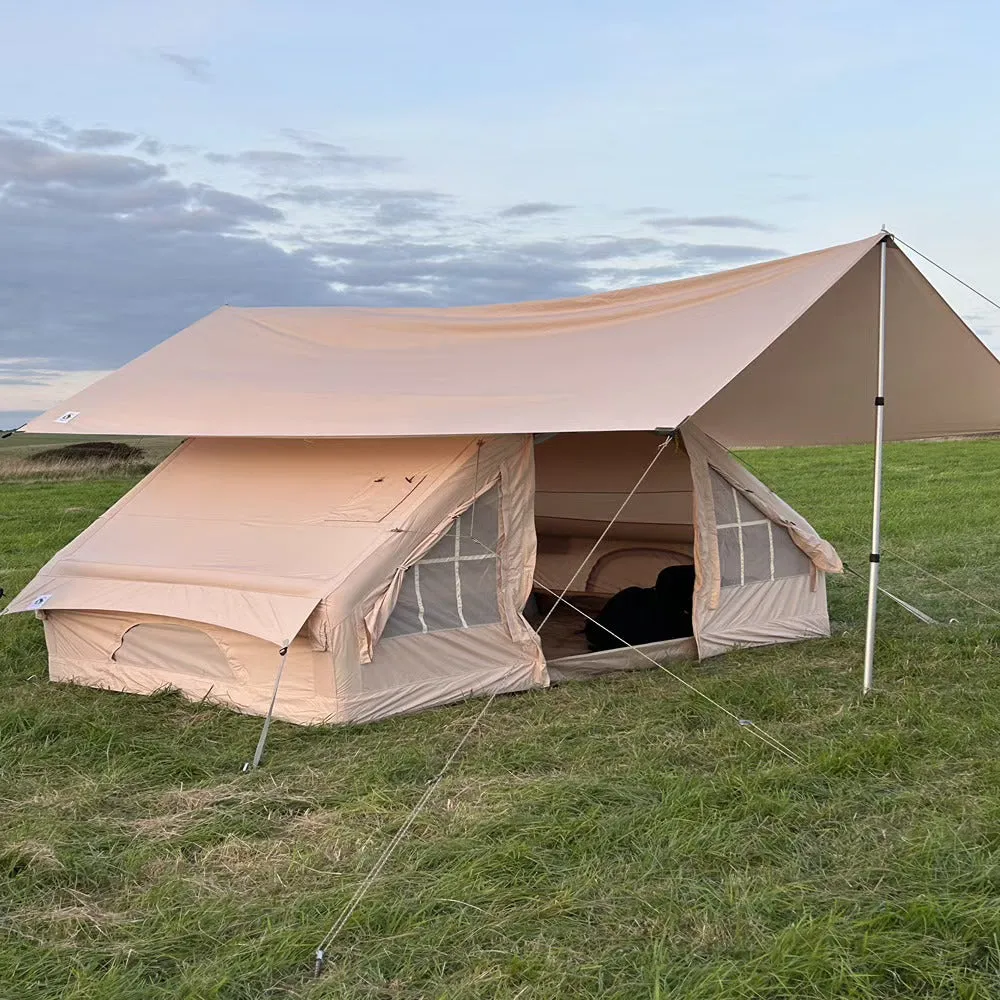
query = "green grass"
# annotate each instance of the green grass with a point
(617, 839)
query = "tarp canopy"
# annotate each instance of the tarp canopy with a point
(779, 353)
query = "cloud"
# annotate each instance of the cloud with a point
(528, 209)
(55, 130)
(609, 247)
(36, 162)
(102, 138)
(102, 255)
(40, 181)
(669, 222)
(716, 255)
(682, 260)
(310, 159)
(411, 273)
(28, 386)
(383, 207)
(151, 147)
(195, 68)
(394, 272)
(281, 163)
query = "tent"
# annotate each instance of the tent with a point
(377, 493)
(397, 570)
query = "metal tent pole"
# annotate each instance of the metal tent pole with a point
(259, 753)
(873, 558)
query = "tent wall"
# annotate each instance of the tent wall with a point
(82, 648)
(407, 670)
(504, 464)
(769, 589)
(317, 686)
(756, 584)
(763, 614)
(415, 672)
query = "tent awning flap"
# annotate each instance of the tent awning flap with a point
(816, 384)
(776, 353)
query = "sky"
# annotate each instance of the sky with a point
(159, 161)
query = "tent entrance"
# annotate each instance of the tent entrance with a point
(581, 482)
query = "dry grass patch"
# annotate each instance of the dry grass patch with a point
(28, 855)
(34, 470)
(72, 458)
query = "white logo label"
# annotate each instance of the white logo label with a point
(39, 602)
(67, 417)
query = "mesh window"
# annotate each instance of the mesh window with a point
(758, 552)
(729, 556)
(752, 548)
(789, 559)
(455, 584)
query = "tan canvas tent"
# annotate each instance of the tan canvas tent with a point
(400, 567)
(382, 490)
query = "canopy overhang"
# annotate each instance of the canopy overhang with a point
(779, 353)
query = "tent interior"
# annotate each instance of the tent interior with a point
(581, 482)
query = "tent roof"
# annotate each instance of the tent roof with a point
(776, 353)
(252, 534)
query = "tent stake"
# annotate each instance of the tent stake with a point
(873, 558)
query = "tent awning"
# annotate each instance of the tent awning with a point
(780, 353)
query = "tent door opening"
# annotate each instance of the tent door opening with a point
(581, 480)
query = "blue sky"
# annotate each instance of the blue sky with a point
(160, 160)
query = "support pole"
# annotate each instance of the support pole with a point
(873, 558)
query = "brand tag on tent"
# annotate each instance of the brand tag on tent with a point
(39, 602)
(67, 417)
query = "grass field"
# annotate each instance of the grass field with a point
(617, 839)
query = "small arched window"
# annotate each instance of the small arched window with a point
(172, 649)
